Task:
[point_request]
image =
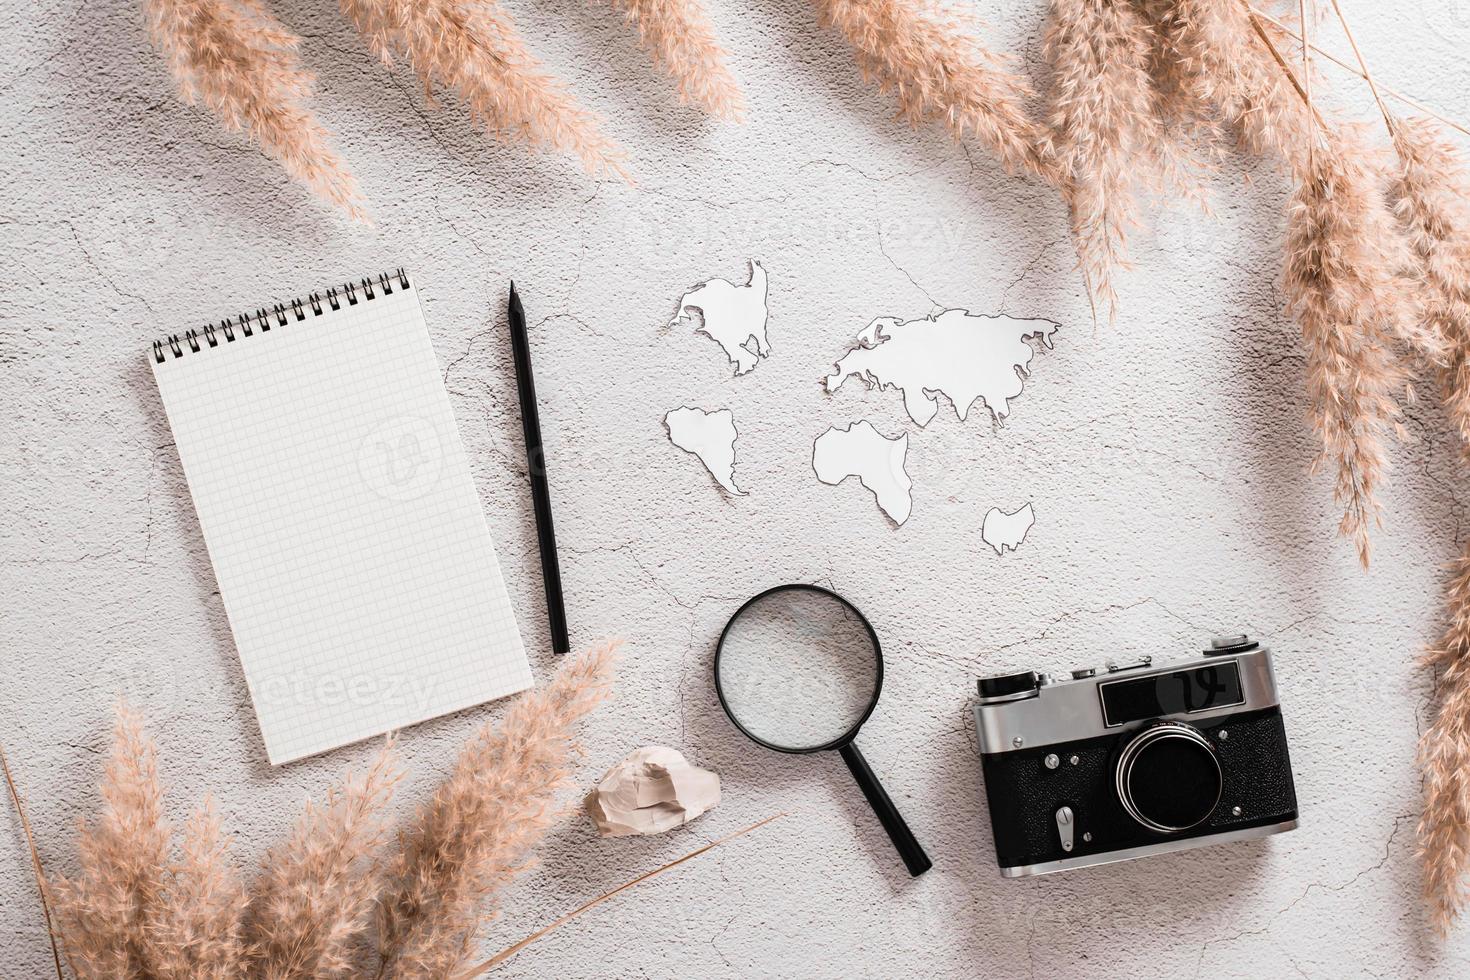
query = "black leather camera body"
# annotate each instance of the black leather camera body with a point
(1128, 760)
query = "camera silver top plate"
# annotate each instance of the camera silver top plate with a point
(1070, 708)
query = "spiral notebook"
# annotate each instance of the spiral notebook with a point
(336, 502)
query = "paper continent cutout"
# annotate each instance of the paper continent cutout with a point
(710, 436)
(877, 461)
(733, 316)
(965, 357)
(1003, 530)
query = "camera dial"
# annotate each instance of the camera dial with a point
(1223, 646)
(1009, 687)
(1168, 777)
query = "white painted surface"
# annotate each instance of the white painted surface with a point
(1168, 453)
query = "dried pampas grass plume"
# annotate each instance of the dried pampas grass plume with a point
(1218, 63)
(130, 912)
(937, 72)
(105, 913)
(678, 35)
(471, 47)
(473, 836)
(237, 60)
(1431, 194)
(1343, 263)
(1432, 200)
(314, 896)
(1444, 756)
(1183, 108)
(196, 931)
(1104, 129)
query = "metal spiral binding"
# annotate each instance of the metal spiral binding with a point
(249, 324)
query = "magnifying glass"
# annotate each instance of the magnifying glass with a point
(798, 669)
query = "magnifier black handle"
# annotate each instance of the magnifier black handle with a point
(913, 855)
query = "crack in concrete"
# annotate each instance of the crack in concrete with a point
(714, 941)
(844, 165)
(19, 76)
(1315, 885)
(468, 349)
(1098, 611)
(76, 560)
(418, 110)
(680, 199)
(148, 499)
(683, 683)
(581, 245)
(575, 319)
(627, 546)
(689, 607)
(933, 303)
(808, 165)
(106, 276)
(353, 59)
(1425, 457)
(467, 238)
(1026, 271)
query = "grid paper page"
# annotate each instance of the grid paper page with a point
(346, 534)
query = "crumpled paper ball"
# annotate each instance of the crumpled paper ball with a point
(653, 790)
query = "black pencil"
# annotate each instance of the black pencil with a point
(520, 346)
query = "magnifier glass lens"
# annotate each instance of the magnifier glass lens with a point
(797, 669)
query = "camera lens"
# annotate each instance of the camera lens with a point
(1168, 778)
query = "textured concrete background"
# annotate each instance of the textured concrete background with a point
(1166, 458)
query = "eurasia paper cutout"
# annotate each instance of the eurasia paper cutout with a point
(653, 790)
(734, 316)
(709, 436)
(1002, 530)
(965, 357)
(877, 461)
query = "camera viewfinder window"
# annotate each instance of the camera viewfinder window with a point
(1181, 692)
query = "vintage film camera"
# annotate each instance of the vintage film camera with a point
(1128, 760)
